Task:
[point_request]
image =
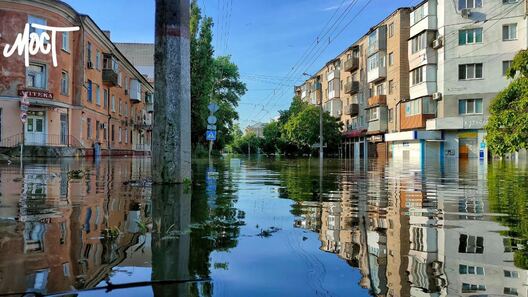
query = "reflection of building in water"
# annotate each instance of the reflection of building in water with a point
(310, 216)
(62, 222)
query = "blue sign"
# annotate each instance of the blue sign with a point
(483, 145)
(210, 135)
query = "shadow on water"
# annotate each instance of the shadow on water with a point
(261, 227)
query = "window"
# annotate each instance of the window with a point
(119, 107)
(511, 274)
(97, 59)
(66, 41)
(419, 42)
(380, 89)
(413, 107)
(468, 269)
(97, 130)
(120, 135)
(89, 128)
(417, 75)
(90, 91)
(113, 103)
(468, 288)
(391, 59)
(509, 32)
(391, 87)
(376, 61)
(89, 52)
(469, 244)
(470, 106)
(373, 114)
(113, 133)
(126, 135)
(126, 84)
(391, 30)
(469, 4)
(64, 83)
(505, 66)
(428, 105)
(511, 291)
(105, 98)
(36, 76)
(97, 95)
(470, 71)
(509, 1)
(38, 21)
(470, 36)
(418, 15)
(391, 114)
(119, 79)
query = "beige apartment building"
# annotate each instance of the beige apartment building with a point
(364, 84)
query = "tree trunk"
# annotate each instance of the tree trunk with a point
(171, 143)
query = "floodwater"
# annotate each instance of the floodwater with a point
(263, 227)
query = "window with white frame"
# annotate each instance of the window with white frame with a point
(391, 30)
(470, 36)
(373, 114)
(469, 269)
(470, 71)
(105, 98)
(113, 103)
(380, 89)
(469, 4)
(413, 107)
(505, 66)
(66, 41)
(64, 83)
(120, 135)
(391, 59)
(510, 291)
(509, 32)
(428, 105)
(97, 59)
(391, 87)
(89, 52)
(469, 288)
(470, 106)
(509, 1)
(417, 75)
(97, 95)
(372, 62)
(126, 135)
(36, 20)
(511, 274)
(36, 76)
(419, 42)
(469, 244)
(119, 79)
(418, 15)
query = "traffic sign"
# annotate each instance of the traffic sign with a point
(24, 108)
(213, 107)
(210, 135)
(211, 120)
(211, 127)
(23, 117)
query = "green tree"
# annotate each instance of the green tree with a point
(303, 129)
(272, 142)
(242, 145)
(507, 129)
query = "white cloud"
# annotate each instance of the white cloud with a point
(334, 7)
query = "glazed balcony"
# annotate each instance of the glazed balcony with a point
(377, 100)
(352, 87)
(110, 70)
(335, 74)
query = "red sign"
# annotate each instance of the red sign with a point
(36, 94)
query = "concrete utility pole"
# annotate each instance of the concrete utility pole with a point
(171, 143)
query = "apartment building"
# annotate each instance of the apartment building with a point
(458, 57)
(92, 98)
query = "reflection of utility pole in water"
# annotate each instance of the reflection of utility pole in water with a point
(171, 143)
(171, 239)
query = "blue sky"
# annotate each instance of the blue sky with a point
(266, 38)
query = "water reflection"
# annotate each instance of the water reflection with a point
(265, 228)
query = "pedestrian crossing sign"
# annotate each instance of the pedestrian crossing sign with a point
(210, 135)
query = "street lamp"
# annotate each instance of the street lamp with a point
(320, 123)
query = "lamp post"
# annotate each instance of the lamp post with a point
(320, 124)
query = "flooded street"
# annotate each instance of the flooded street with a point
(263, 227)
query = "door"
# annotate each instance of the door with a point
(64, 129)
(35, 129)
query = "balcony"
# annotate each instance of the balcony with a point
(335, 74)
(378, 67)
(377, 100)
(110, 77)
(149, 100)
(316, 87)
(334, 107)
(352, 64)
(352, 109)
(377, 40)
(135, 91)
(352, 87)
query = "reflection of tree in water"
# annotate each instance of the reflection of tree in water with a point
(508, 194)
(215, 221)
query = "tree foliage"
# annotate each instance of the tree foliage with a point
(296, 130)
(213, 79)
(507, 129)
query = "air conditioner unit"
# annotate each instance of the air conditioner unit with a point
(437, 43)
(466, 13)
(89, 65)
(437, 96)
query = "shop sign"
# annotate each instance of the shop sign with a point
(376, 138)
(36, 94)
(475, 122)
